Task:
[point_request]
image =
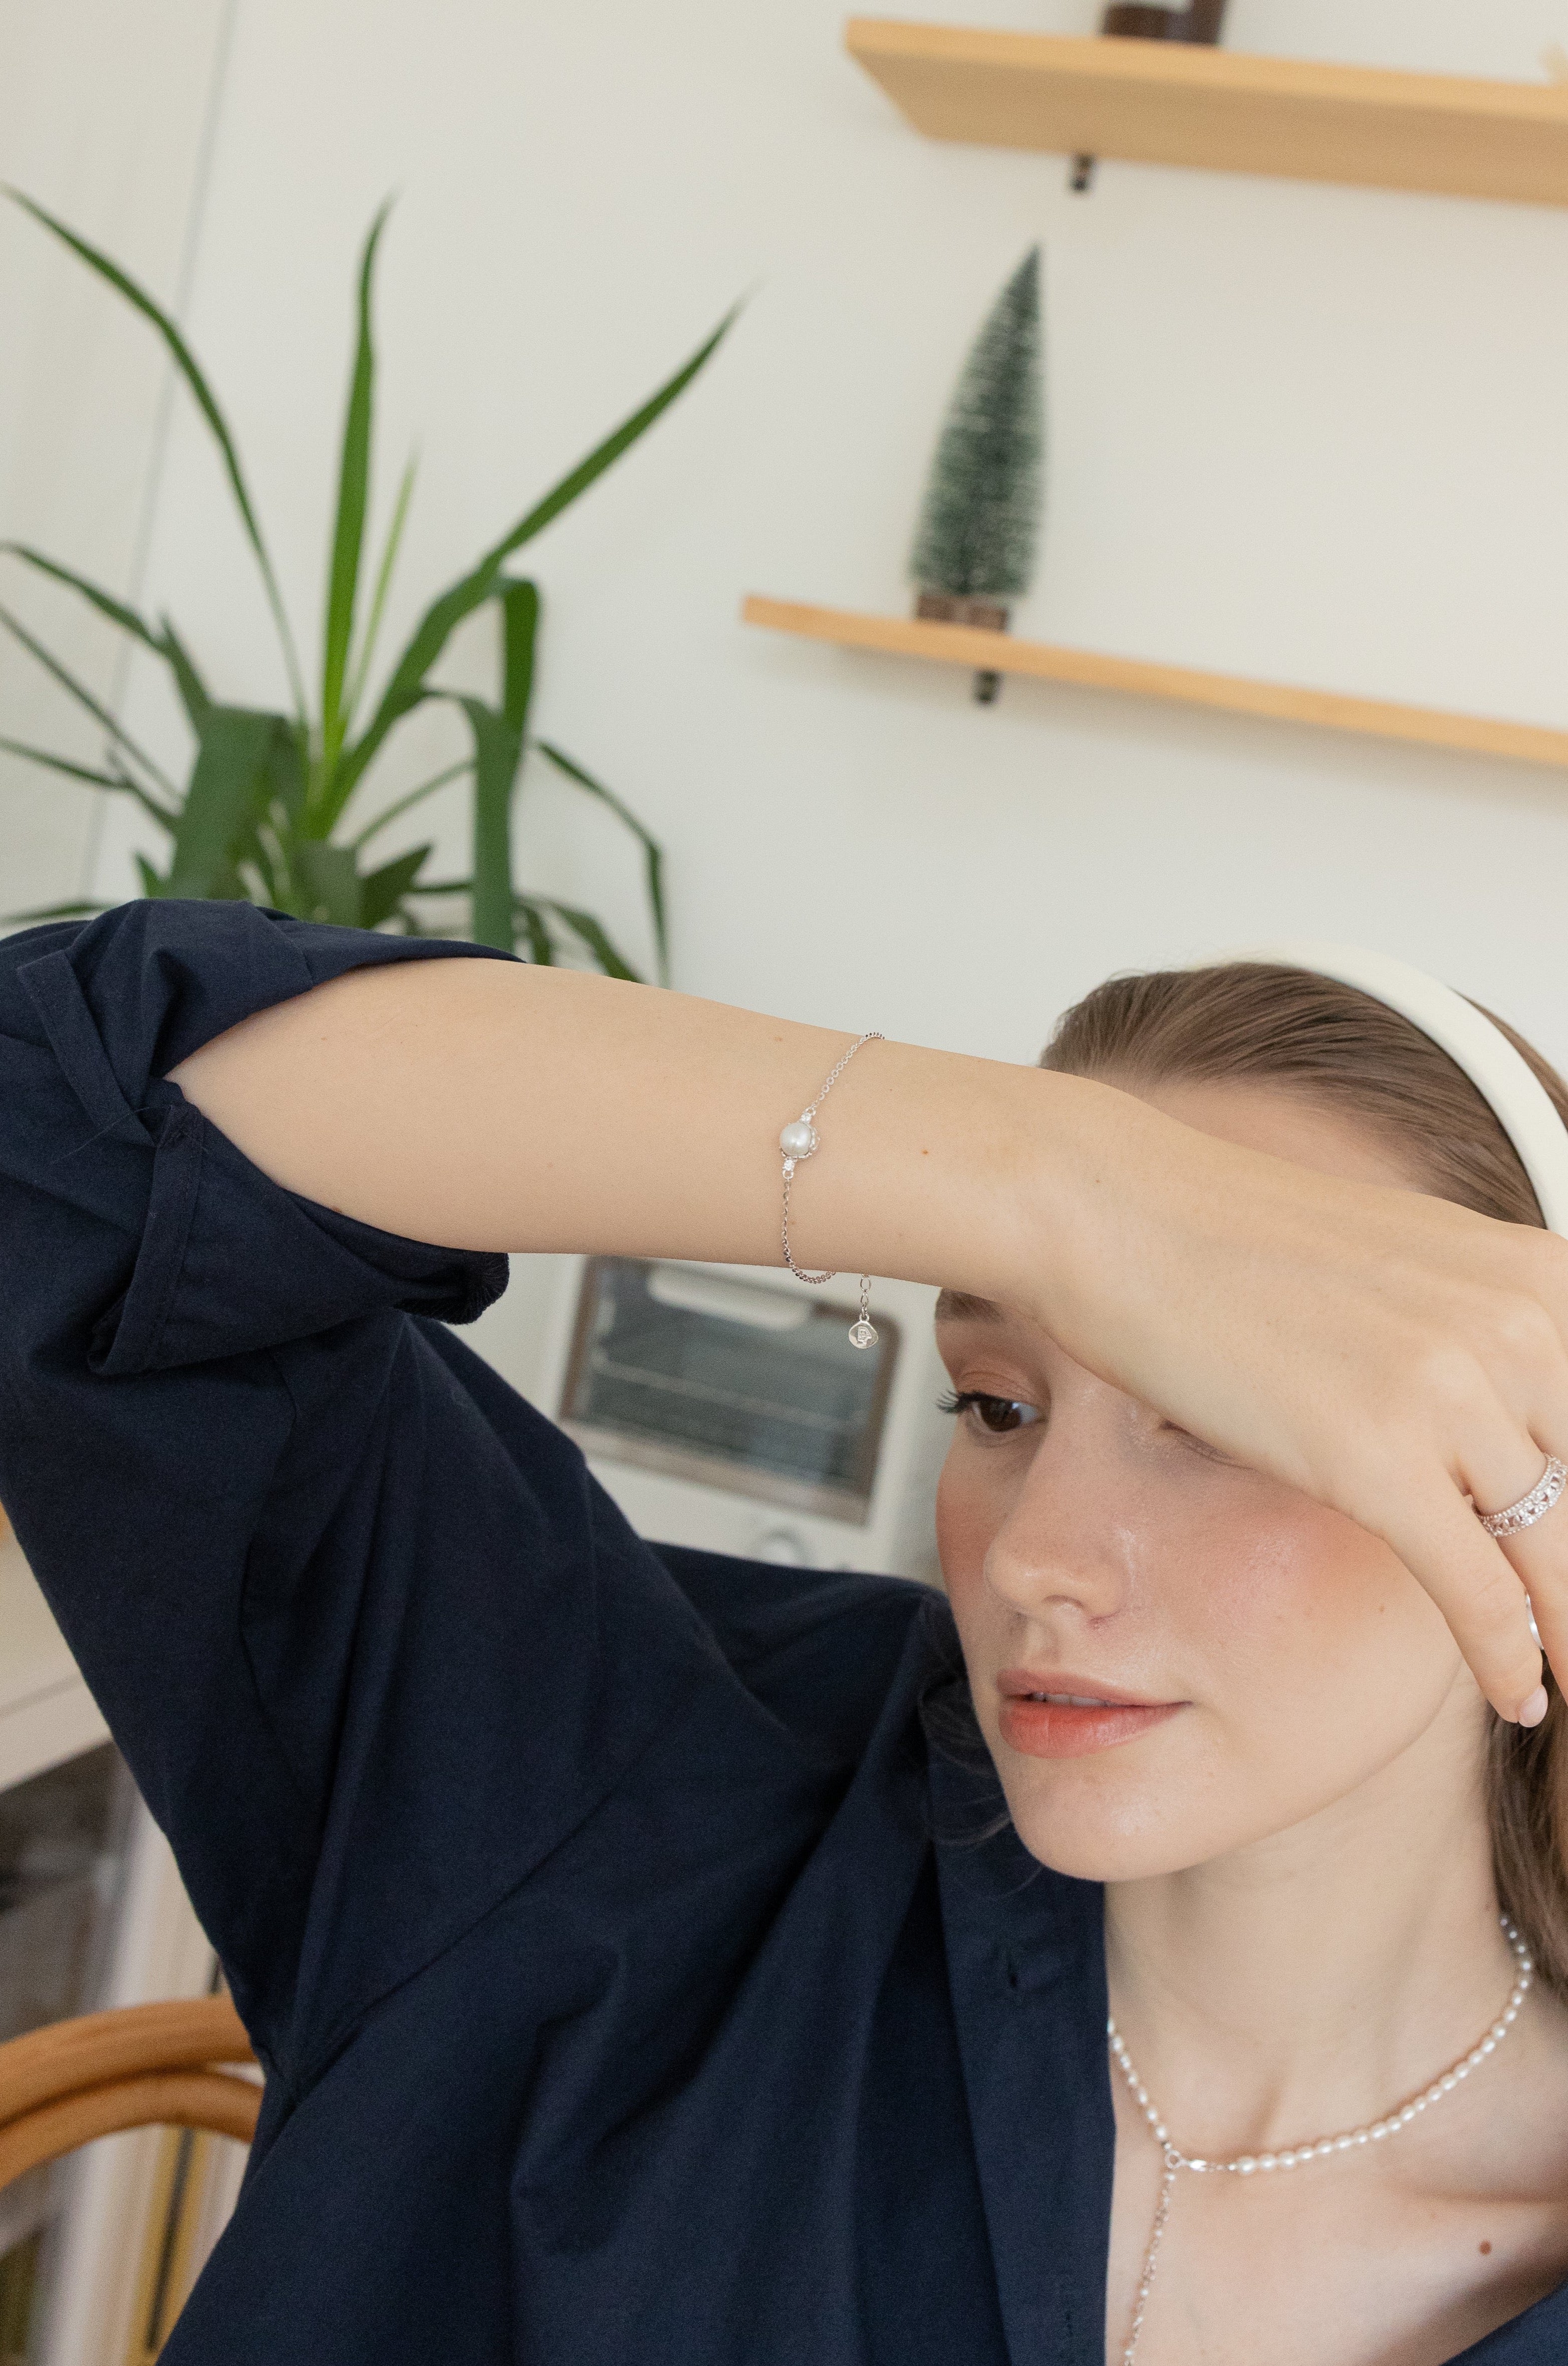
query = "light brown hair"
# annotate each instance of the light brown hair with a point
(1267, 1023)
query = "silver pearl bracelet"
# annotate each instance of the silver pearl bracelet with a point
(799, 1140)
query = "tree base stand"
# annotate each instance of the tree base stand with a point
(990, 616)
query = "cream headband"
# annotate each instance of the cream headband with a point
(1518, 1099)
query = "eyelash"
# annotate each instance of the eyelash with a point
(962, 1401)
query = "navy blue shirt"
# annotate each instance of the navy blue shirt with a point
(635, 1982)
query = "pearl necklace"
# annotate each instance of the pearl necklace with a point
(1254, 2164)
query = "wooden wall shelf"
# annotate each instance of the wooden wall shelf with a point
(1170, 103)
(979, 652)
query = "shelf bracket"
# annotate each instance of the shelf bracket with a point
(1200, 20)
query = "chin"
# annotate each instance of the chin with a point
(1105, 1853)
(1099, 1820)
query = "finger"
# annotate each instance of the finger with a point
(1540, 1555)
(1437, 1537)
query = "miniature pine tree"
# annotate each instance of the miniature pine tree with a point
(975, 543)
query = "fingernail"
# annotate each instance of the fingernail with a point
(1534, 1709)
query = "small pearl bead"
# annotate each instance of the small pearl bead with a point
(1246, 2165)
(1364, 2136)
(1344, 2144)
(1407, 2115)
(1268, 2160)
(799, 1139)
(1197, 2167)
(1162, 2131)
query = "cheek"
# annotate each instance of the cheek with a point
(970, 1508)
(1305, 1613)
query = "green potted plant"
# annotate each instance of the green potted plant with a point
(272, 807)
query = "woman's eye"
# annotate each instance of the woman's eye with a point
(997, 1416)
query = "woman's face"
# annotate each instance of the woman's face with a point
(1240, 1657)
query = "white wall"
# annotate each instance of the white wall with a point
(1315, 435)
(102, 113)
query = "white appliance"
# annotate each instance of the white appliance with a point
(97, 2252)
(724, 1407)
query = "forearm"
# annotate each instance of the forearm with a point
(487, 1106)
(1391, 1354)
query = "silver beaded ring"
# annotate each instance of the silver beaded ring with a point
(1531, 1507)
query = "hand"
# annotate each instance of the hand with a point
(1398, 1357)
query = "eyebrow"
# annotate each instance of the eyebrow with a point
(959, 1306)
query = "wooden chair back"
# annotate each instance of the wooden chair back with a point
(140, 2066)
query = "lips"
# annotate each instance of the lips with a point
(1052, 1714)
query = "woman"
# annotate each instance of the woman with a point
(619, 1928)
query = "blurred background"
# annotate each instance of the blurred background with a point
(1315, 435)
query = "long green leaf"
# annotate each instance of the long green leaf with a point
(536, 932)
(164, 642)
(233, 779)
(415, 797)
(441, 619)
(84, 697)
(189, 369)
(591, 931)
(381, 892)
(329, 884)
(115, 610)
(653, 852)
(383, 585)
(164, 814)
(498, 742)
(195, 695)
(498, 752)
(521, 606)
(348, 529)
(76, 911)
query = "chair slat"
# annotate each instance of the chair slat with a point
(130, 2042)
(181, 2098)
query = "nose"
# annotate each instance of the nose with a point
(1065, 1548)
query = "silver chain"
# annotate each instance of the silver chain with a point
(1322, 2147)
(861, 1334)
(815, 1280)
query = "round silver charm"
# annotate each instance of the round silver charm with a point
(799, 1138)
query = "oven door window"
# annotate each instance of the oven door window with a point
(729, 1383)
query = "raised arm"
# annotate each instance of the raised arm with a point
(1390, 1354)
